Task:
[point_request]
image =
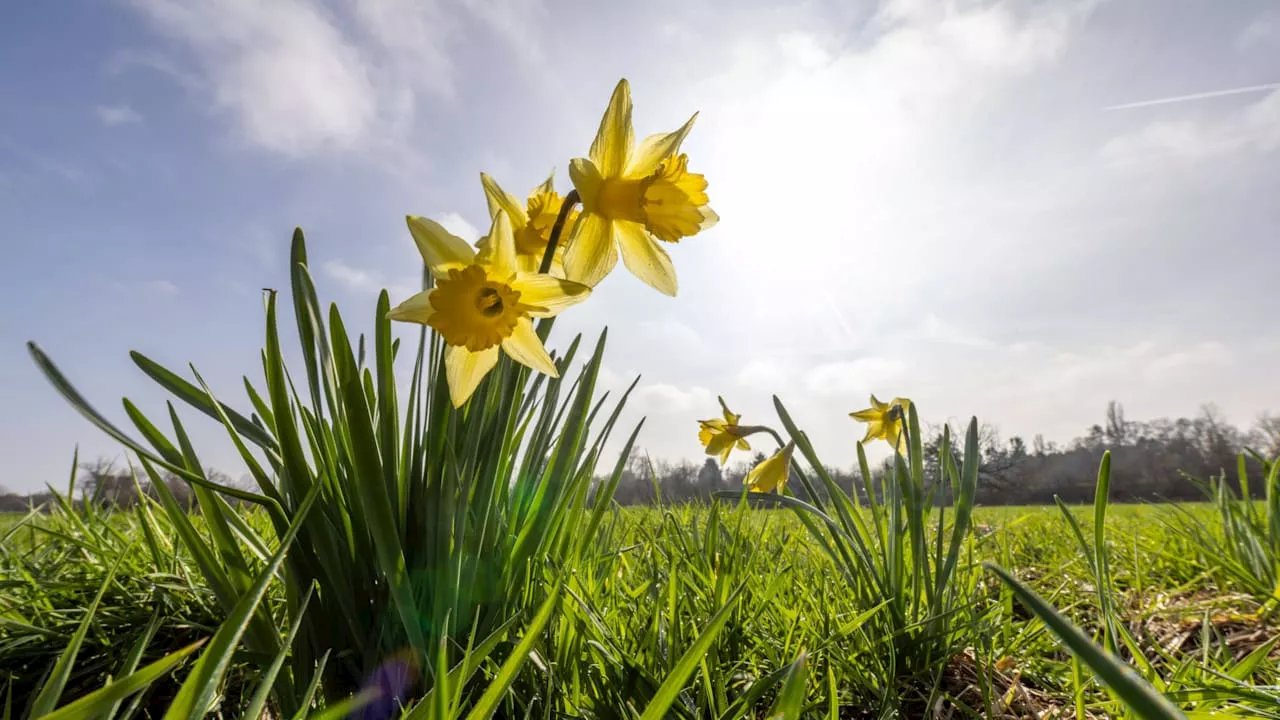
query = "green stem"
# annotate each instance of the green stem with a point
(570, 200)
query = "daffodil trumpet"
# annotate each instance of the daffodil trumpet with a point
(482, 305)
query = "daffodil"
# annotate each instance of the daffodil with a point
(482, 302)
(885, 421)
(772, 473)
(632, 197)
(531, 222)
(721, 436)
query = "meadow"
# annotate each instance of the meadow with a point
(453, 549)
(640, 604)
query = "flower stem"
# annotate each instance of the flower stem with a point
(570, 200)
(544, 325)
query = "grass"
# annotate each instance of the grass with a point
(405, 558)
(637, 612)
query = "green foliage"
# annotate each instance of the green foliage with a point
(1244, 548)
(402, 557)
(430, 525)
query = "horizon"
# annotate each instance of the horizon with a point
(1005, 210)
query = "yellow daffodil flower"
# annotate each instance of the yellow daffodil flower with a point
(772, 473)
(482, 302)
(885, 421)
(720, 437)
(633, 196)
(531, 223)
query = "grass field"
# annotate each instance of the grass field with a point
(656, 579)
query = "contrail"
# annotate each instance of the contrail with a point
(1196, 96)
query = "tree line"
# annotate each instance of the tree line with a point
(1152, 460)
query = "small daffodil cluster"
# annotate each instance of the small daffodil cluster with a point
(545, 254)
(721, 436)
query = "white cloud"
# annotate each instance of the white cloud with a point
(366, 281)
(667, 399)
(66, 170)
(111, 115)
(1261, 31)
(859, 377)
(283, 69)
(764, 374)
(938, 330)
(301, 77)
(458, 225)
(160, 287)
(1253, 127)
(352, 277)
(673, 335)
(870, 127)
(153, 288)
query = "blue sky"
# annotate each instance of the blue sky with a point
(1014, 210)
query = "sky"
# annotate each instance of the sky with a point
(1010, 210)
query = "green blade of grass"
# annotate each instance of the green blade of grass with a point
(197, 691)
(265, 683)
(790, 702)
(47, 698)
(487, 705)
(1136, 693)
(105, 699)
(679, 675)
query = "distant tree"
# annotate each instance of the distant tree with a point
(1268, 430)
(709, 477)
(1116, 430)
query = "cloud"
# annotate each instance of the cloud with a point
(938, 330)
(858, 377)
(766, 374)
(153, 288)
(666, 399)
(458, 225)
(112, 115)
(352, 277)
(1261, 31)
(367, 281)
(67, 171)
(301, 77)
(1253, 127)
(160, 287)
(294, 83)
(873, 127)
(673, 335)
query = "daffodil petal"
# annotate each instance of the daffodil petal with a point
(586, 180)
(771, 473)
(499, 254)
(615, 137)
(499, 199)
(868, 415)
(416, 309)
(645, 258)
(465, 369)
(441, 250)
(525, 348)
(709, 218)
(720, 444)
(592, 251)
(548, 186)
(551, 294)
(656, 148)
(874, 430)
